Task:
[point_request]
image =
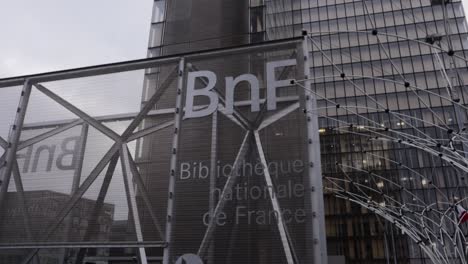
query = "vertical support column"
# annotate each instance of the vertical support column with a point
(13, 141)
(213, 158)
(131, 198)
(78, 161)
(172, 176)
(98, 205)
(314, 165)
(80, 158)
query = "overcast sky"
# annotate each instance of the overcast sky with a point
(45, 35)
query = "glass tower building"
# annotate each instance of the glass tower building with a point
(392, 64)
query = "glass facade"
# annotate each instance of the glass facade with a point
(381, 45)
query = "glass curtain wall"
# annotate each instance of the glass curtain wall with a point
(353, 231)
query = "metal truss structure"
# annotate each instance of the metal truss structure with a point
(119, 150)
(432, 225)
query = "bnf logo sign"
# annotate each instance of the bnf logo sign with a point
(231, 83)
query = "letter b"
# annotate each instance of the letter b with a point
(192, 93)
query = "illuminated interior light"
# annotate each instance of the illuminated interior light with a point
(380, 185)
(322, 130)
(424, 182)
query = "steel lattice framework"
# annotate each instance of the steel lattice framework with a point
(433, 225)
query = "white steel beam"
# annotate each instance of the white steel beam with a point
(149, 130)
(48, 134)
(282, 228)
(213, 175)
(13, 141)
(78, 161)
(232, 179)
(131, 200)
(24, 206)
(278, 115)
(319, 242)
(22, 200)
(173, 167)
(86, 118)
(150, 104)
(103, 119)
(83, 245)
(76, 197)
(148, 62)
(144, 193)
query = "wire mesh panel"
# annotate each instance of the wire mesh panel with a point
(75, 186)
(222, 207)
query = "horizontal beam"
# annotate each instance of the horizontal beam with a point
(147, 63)
(149, 130)
(115, 258)
(86, 118)
(104, 119)
(278, 115)
(130, 116)
(123, 244)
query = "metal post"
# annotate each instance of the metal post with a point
(13, 141)
(172, 173)
(80, 158)
(131, 199)
(78, 161)
(213, 159)
(319, 242)
(23, 204)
